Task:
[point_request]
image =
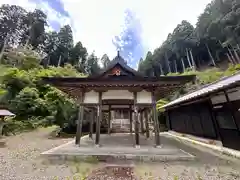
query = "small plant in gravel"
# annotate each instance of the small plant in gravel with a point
(91, 159)
(199, 177)
(175, 177)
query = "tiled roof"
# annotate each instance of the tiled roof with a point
(4, 112)
(206, 90)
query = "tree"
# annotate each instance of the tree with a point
(105, 60)
(215, 39)
(51, 44)
(65, 38)
(34, 28)
(28, 103)
(92, 66)
(11, 20)
(146, 66)
(78, 56)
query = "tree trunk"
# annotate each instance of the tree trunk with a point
(175, 66)
(27, 43)
(3, 48)
(167, 62)
(29, 37)
(217, 56)
(230, 59)
(48, 61)
(192, 60)
(183, 65)
(189, 63)
(238, 48)
(161, 70)
(211, 57)
(231, 54)
(59, 60)
(1, 127)
(236, 55)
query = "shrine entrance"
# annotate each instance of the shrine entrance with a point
(121, 99)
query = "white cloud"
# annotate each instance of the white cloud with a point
(96, 22)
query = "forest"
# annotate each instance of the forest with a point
(212, 43)
(28, 52)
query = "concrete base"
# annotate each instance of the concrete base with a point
(193, 141)
(116, 147)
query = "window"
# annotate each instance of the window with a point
(225, 120)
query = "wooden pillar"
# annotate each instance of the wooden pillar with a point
(92, 116)
(99, 120)
(141, 122)
(130, 118)
(80, 120)
(146, 123)
(136, 120)
(109, 119)
(155, 120)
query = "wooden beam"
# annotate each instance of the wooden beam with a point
(80, 120)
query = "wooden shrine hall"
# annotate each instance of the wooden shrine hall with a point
(119, 87)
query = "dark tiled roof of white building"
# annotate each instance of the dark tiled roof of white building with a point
(206, 90)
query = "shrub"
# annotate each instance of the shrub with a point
(28, 103)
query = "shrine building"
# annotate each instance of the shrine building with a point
(119, 89)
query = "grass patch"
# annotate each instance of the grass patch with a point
(80, 170)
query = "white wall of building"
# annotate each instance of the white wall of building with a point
(144, 97)
(117, 94)
(91, 97)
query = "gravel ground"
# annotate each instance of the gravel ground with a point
(20, 160)
(208, 165)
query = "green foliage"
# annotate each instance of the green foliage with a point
(63, 108)
(14, 126)
(36, 104)
(28, 103)
(161, 103)
(202, 78)
(209, 75)
(15, 80)
(22, 57)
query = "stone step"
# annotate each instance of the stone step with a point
(61, 158)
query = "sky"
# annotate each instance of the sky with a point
(95, 22)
